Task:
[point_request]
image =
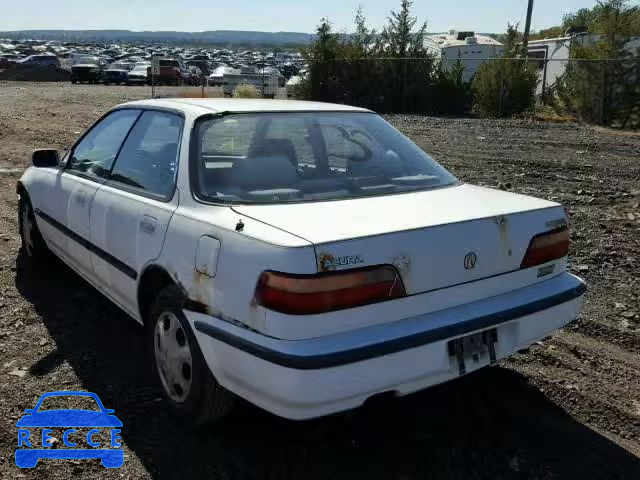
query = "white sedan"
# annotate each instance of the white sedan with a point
(303, 256)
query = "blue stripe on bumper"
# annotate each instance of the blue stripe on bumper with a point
(344, 357)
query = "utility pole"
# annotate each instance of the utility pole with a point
(527, 29)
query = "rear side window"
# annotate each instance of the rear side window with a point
(96, 152)
(149, 158)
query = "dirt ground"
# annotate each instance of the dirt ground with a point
(570, 408)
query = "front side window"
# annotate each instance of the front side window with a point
(149, 157)
(96, 152)
(297, 157)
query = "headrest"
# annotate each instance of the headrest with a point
(260, 173)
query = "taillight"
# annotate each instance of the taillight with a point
(327, 292)
(547, 247)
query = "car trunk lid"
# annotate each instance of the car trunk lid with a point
(435, 239)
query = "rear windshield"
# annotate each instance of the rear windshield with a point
(169, 63)
(298, 157)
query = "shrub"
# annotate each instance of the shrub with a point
(450, 93)
(505, 87)
(603, 92)
(246, 91)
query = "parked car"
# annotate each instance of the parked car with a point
(173, 72)
(87, 73)
(117, 73)
(40, 60)
(140, 75)
(304, 256)
(196, 77)
(202, 64)
(7, 60)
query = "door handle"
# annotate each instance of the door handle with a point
(148, 224)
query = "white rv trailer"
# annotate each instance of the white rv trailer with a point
(554, 54)
(470, 48)
(267, 80)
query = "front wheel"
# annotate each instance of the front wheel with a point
(33, 244)
(180, 367)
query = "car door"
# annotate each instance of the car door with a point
(131, 211)
(66, 206)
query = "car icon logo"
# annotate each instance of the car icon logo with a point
(32, 448)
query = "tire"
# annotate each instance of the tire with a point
(74, 81)
(26, 459)
(113, 459)
(33, 245)
(190, 388)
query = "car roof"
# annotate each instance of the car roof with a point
(241, 105)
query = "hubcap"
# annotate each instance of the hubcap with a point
(173, 357)
(27, 228)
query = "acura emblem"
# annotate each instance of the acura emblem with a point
(470, 260)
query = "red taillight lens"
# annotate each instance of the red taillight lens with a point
(327, 292)
(546, 247)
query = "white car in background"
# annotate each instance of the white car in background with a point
(303, 256)
(139, 75)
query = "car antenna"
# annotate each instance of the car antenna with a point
(239, 226)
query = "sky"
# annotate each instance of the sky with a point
(272, 15)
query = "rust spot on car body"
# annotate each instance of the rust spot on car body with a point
(202, 298)
(328, 262)
(402, 264)
(325, 262)
(200, 291)
(504, 234)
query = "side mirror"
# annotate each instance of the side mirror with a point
(45, 158)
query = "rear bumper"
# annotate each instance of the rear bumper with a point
(310, 378)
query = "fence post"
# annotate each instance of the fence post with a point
(404, 85)
(603, 94)
(501, 89)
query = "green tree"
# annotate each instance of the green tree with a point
(450, 93)
(407, 71)
(601, 84)
(322, 54)
(398, 38)
(364, 38)
(372, 70)
(505, 86)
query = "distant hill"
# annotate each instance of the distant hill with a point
(219, 37)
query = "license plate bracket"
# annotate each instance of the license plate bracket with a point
(472, 348)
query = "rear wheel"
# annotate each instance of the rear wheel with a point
(185, 378)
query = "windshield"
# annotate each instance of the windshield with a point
(120, 66)
(66, 402)
(297, 157)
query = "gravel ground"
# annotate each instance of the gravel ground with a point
(570, 408)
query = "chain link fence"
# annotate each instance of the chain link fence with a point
(594, 90)
(598, 91)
